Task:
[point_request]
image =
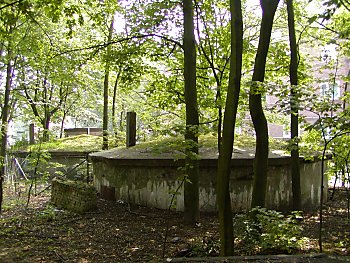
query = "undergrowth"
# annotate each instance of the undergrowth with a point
(261, 231)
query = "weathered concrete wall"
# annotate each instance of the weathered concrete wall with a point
(73, 195)
(150, 182)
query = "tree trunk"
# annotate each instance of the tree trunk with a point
(62, 123)
(191, 192)
(121, 126)
(225, 156)
(4, 124)
(293, 72)
(46, 126)
(219, 127)
(114, 101)
(105, 91)
(255, 105)
(345, 91)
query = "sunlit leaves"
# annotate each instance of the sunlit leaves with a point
(163, 17)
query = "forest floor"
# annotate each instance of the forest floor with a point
(116, 232)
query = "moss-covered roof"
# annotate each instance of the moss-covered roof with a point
(80, 143)
(174, 147)
(163, 147)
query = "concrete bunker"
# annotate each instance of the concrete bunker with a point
(148, 179)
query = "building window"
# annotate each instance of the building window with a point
(331, 91)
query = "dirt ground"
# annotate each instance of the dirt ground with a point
(116, 232)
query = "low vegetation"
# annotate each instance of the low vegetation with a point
(175, 144)
(84, 143)
(118, 232)
(91, 143)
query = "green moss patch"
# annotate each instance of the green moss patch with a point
(82, 143)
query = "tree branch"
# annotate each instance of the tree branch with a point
(10, 4)
(99, 46)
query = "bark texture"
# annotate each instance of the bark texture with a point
(106, 91)
(4, 125)
(191, 192)
(226, 148)
(293, 74)
(255, 104)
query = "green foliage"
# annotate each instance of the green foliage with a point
(208, 246)
(162, 145)
(48, 214)
(310, 144)
(268, 232)
(149, 69)
(37, 162)
(75, 143)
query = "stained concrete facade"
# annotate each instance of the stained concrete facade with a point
(149, 180)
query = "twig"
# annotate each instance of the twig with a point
(47, 187)
(10, 4)
(167, 223)
(118, 41)
(59, 256)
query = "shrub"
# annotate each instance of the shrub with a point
(267, 231)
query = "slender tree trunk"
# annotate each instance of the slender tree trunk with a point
(191, 192)
(46, 136)
(105, 112)
(46, 126)
(219, 127)
(225, 156)
(121, 126)
(114, 102)
(105, 91)
(345, 90)
(320, 232)
(255, 104)
(62, 123)
(218, 80)
(293, 72)
(4, 124)
(1, 49)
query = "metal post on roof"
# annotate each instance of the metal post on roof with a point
(130, 129)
